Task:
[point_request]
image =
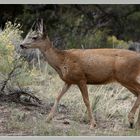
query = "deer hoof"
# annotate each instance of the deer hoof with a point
(92, 126)
(131, 120)
(131, 125)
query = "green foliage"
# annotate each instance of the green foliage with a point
(88, 41)
(98, 40)
(80, 26)
(113, 42)
(121, 20)
(10, 60)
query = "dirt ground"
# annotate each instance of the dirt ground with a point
(16, 119)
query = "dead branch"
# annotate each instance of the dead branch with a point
(8, 78)
(16, 65)
(15, 96)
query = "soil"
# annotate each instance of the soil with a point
(62, 121)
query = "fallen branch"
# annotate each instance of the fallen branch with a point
(12, 94)
(15, 95)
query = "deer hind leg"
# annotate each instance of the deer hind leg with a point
(63, 91)
(138, 121)
(136, 91)
(133, 111)
(83, 88)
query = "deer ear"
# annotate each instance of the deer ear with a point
(44, 32)
(34, 26)
(40, 25)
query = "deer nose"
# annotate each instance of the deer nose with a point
(22, 46)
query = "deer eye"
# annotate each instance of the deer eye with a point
(34, 38)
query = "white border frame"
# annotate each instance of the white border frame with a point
(70, 2)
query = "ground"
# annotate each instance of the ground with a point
(27, 121)
(110, 104)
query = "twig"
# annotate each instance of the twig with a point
(31, 96)
(6, 81)
(11, 73)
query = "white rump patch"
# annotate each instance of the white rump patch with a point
(138, 79)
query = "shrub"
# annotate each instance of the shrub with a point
(10, 60)
(113, 42)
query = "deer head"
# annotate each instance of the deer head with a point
(35, 36)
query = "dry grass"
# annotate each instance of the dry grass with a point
(110, 104)
(107, 101)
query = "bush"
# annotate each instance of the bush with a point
(98, 39)
(113, 42)
(12, 66)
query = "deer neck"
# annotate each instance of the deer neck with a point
(53, 56)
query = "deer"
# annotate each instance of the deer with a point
(84, 67)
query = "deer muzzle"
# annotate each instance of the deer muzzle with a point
(22, 46)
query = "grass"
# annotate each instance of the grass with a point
(32, 123)
(110, 104)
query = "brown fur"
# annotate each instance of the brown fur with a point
(93, 66)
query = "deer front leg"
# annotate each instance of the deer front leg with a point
(133, 111)
(63, 91)
(83, 88)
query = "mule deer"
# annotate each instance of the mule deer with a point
(89, 66)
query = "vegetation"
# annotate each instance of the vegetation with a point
(11, 63)
(71, 25)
